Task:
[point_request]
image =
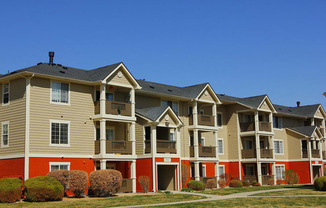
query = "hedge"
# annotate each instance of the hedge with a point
(78, 181)
(196, 185)
(10, 190)
(235, 184)
(62, 176)
(43, 188)
(105, 182)
(320, 183)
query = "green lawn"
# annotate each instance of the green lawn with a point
(106, 202)
(227, 191)
(301, 191)
(259, 202)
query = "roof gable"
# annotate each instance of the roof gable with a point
(208, 95)
(266, 104)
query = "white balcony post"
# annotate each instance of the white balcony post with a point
(271, 146)
(257, 136)
(195, 113)
(153, 147)
(196, 148)
(132, 138)
(178, 140)
(103, 164)
(133, 175)
(216, 144)
(259, 173)
(310, 157)
(132, 100)
(216, 174)
(102, 100)
(102, 137)
(214, 115)
(197, 176)
(274, 173)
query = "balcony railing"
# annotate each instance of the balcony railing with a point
(248, 153)
(114, 108)
(114, 147)
(304, 153)
(267, 179)
(162, 146)
(265, 126)
(204, 151)
(324, 155)
(315, 153)
(266, 153)
(126, 185)
(250, 179)
(204, 120)
(247, 126)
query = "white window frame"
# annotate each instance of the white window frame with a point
(60, 103)
(219, 113)
(68, 136)
(218, 169)
(283, 176)
(218, 148)
(203, 171)
(2, 124)
(278, 140)
(58, 163)
(3, 93)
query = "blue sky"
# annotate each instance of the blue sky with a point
(242, 48)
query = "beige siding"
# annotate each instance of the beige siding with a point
(209, 138)
(293, 146)
(139, 138)
(79, 111)
(280, 134)
(167, 118)
(15, 114)
(223, 131)
(120, 129)
(206, 96)
(265, 106)
(143, 101)
(184, 131)
(318, 113)
(114, 78)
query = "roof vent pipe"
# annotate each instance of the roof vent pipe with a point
(298, 103)
(51, 55)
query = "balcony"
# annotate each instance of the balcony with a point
(162, 146)
(324, 155)
(126, 185)
(266, 153)
(204, 151)
(247, 126)
(248, 153)
(115, 147)
(267, 179)
(265, 126)
(315, 153)
(204, 120)
(114, 108)
(250, 179)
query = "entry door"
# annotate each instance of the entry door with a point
(316, 171)
(166, 177)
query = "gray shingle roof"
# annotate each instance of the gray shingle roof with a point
(252, 102)
(186, 92)
(152, 113)
(69, 72)
(303, 111)
(305, 130)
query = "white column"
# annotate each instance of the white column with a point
(133, 175)
(216, 144)
(214, 115)
(217, 176)
(320, 149)
(153, 147)
(132, 138)
(195, 113)
(271, 146)
(257, 136)
(259, 173)
(103, 164)
(178, 140)
(102, 137)
(310, 165)
(196, 153)
(132, 100)
(27, 127)
(102, 100)
(197, 176)
(274, 172)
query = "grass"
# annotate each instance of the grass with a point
(228, 191)
(106, 202)
(301, 191)
(259, 202)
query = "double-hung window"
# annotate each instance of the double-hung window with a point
(219, 119)
(59, 133)
(59, 166)
(5, 93)
(220, 146)
(277, 122)
(60, 92)
(278, 146)
(280, 172)
(5, 134)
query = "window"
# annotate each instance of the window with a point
(204, 171)
(219, 120)
(173, 105)
(250, 170)
(280, 172)
(5, 134)
(248, 144)
(221, 170)
(59, 166)
(60, 92)
(277, 122)
(202, 141)
(59, 133)
(5, 93)
(109, 134)
(278, 146)
(192, 171)
(171, 137)
(220, 146)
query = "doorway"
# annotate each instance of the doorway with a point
(316, 171)
(166, 175)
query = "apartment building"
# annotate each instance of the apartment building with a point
(56, 117)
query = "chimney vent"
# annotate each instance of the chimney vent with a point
(298, 103)
(51, 55)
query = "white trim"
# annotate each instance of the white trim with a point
(61, 155)
(27, 125)
(213, 94)
(222, 145)
(278, 140)
(60, 103)
(176, 175)
(59, 163)
(2, 124)
(5, 104)
(60, 122)
(13, 156)
(280, 165)
(203, 173)
(223, 166)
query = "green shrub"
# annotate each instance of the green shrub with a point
(78, 181)
(10, 190)
(186, 189)
(144, 182)
(235, 184)
(291, 177)
(245, 183)
(211, 183)
(43, 188)
(62, 176)
(320, 183)
(105, 182)
(196, 185)
(253, 183)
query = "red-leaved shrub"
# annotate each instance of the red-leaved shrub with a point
(10, 190)
(235, 184)
(222, 183)
(78, 181)
(291, 177)
(144, 182)
(105, 182)
(211, 183)
(184, 174)
(62, 176)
